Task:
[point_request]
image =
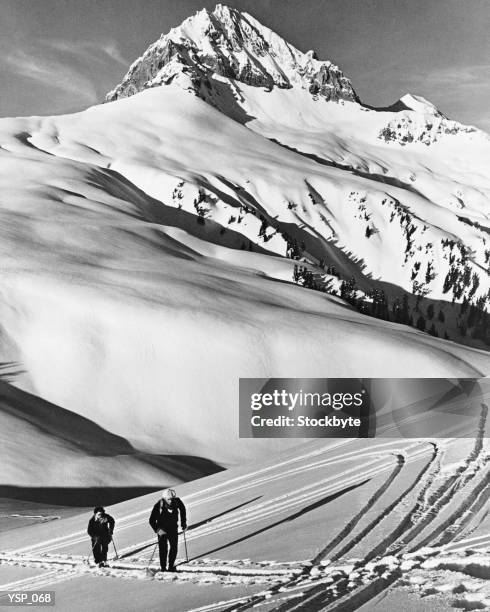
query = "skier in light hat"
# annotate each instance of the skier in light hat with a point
(164, 522)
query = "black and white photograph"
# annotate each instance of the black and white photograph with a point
(245, 305)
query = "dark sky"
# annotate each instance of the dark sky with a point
(64, 55)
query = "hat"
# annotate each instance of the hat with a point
(167, 491)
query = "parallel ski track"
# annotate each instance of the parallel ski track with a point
(476, 543)
(318, 596)
(269, 508)
(41, 581)
(342, 600)
(140, 517)
(317, 591)
(336, 597)
(478, 497)
(137, 518)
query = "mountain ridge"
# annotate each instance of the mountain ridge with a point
(214, 54)
(231, 44)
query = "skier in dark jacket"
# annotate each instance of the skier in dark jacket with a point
(164, 522)
(100, 529)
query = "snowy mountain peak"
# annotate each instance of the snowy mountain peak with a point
(228, 45)
(421, 105)
(418, 120)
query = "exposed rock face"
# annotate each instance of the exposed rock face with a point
(418, 120)
(227, 44)
(409, 128)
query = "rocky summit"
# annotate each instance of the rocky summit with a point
(226, 44)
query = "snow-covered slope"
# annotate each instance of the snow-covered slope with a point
(123, 307)
(153, 248)
(72, 452)
(420, 217)
(339, 525)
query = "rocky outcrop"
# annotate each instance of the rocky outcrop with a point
(418, 120)
(410, 126)
(228, 44)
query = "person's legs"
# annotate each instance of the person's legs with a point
(162, 548)
(104, 547)
(173, 540)
(97, 550)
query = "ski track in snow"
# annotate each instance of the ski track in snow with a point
(344, 594)
(320, 598)
(271, 506)
(332, 583)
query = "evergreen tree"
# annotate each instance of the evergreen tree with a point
(396, 309)
(476, 284)
(405, 310)
(473, 317)
(296, 274)
(348, 290)
(263, 227)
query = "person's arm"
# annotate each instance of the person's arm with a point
(111, 522)
(92, 530)
(154, 522)
(183, 514)
(153, 519)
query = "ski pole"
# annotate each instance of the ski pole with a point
(148, 570)
(92, 552)
(115, 549)
(185, 545)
